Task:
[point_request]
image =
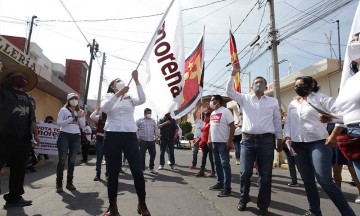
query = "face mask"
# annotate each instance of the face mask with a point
(18, 81)
(259, 88)
(354, 67)
(148, 115)
(302, 91)
(212, 105)
(74, 102)
(120, 85)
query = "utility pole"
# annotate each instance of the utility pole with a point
(338, 28)
(30, 32)
(101, 79)
(94, 49)
(274, 44)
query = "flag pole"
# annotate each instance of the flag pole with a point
(152, 38)
(203, 58)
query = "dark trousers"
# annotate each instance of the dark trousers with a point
(85, 151)
(114, 144)
(14, 152)
(167, 143)
(207, 150)
(150, 146)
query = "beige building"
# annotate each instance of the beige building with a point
(51, 90)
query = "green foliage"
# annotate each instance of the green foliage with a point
(189, 136)
(186, 127)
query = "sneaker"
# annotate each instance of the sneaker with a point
(216, 187)
(224, 193)
(161, 167)
(357, 200)
(172, 167)
(152, 171)
(97, 178)
(242, 204)
(19, 203)
(200, 174)
(263, 212)
(237, 161)
(293, 184)
(193, 166)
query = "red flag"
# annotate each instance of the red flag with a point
(193, 80)
(234, 60)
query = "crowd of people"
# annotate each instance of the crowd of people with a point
(307, 137)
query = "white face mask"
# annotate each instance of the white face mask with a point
(74, 102)
(212, 105)
(120, 85)
(148, 115)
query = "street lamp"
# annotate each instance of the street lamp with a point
(94, 52)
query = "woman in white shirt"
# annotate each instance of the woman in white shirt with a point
(120, 136)
(70, 120)
(306, 135)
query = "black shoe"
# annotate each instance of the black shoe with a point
(293, 184)
(32, 169)
(216, 187)
(224, 193)
(20, 202)
(242, 205)
(263, 212)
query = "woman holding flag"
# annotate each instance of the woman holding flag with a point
(120, 136)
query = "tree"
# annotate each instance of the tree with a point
(186, 127)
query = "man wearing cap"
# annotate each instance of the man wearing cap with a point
(17, 125)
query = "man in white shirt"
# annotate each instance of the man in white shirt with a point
(261, 124)
(221, 138)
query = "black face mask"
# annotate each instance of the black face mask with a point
(354, 67)
(302, 91)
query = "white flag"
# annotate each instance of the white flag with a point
(165, 62)
(353, 40)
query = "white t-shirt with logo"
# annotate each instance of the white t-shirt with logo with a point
(219, 124)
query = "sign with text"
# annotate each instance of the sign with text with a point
(48, 135)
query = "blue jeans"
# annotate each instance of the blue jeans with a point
(99, 148)
(314, 160)
(164, 144)
(291, 163)
(150, 146)
(114, 144)
(222, 164)
(355, 131)
(237, 149)
(195, 152)
(67, 143)
(261, 150)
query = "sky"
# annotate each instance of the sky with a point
(123, 29)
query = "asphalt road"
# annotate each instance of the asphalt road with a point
(169, 193)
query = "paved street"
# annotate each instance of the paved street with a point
(170, 193)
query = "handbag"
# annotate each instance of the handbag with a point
(349, 146)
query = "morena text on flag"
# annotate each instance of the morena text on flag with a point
(170, 67)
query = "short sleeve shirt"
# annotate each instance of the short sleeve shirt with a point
(219, 124)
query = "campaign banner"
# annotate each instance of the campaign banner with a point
(48, 135)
